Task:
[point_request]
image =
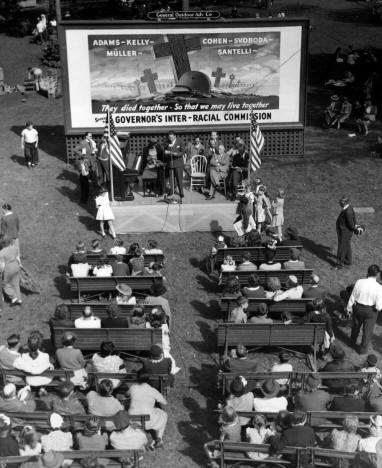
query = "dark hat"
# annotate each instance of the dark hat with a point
(270, 388)
(291, 231)
(153, 139)
(92, 426)
(334, 97)
(158, 289)
(156, 351)
(372, 359)
(121, 420)
(313, 381)
(52, 459)
(237, 387)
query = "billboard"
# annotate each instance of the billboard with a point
(153, 76)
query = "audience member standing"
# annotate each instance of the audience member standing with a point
(29, 143)
(105, 213)
(345, 227)
(10, 225)
(10, 269)
(364, 304)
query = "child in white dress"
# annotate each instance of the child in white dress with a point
(105, 212)
(278, 212)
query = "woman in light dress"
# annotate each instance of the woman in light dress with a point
(278, 212)
(104, 212)
(262, 207)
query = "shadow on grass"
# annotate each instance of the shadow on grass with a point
(18, 160)
(207, 284)
(321, 251)
(210, 311)
(201, 427)
(51, 139)
(197, 263)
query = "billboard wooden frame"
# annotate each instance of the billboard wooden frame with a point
(303, 23)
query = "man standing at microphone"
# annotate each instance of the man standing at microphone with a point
(174, 152)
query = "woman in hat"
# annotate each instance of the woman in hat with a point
(230, 428)
(144, 399)
(270, 402)
(124, 294)
(108, 361)
(346, 440)
(158, 364)
(239, 398)
(91, 438)
(127, 436)
(104, 211)
(59, 438)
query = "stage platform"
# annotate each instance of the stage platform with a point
(152, 214)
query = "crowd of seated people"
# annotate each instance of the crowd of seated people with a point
(124, 262)
(356, 73)
(289, 426)
(80, 396)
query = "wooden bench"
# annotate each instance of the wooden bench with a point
(257, 253)
(294, 306)
(113, 457)
(276, 334)
(84, 284)
(297, 380)
(40, 419)
(99, 309)
(160, 381)
(124, 339)
(303, 276)
(92, 259)
(227, 453)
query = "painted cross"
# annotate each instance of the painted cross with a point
(177, 47)
(138, 85)
(231, 78)
(218, 75)
(149, 77)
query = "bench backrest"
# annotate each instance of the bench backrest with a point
(257, 253)
(276, 334)
(295, 306)
(236, 452)
(92, 259)
(296, 380)
(79, 455)
(95, 283)
(99, 309)
(124, 339)
(303, 276)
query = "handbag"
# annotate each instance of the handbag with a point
(238, 226)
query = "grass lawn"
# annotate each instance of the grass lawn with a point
(52, 221)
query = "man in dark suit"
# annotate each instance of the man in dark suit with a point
(10, 225)
(345, 227)
(174, 152)
(240, 363)
(314, 289)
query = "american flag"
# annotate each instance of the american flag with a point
(256, 143)
(111, 135)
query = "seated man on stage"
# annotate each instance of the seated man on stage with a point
(153, 165)
(174, 152)
(239, 171)
(219, 167)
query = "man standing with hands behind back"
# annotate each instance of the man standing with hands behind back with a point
(345, 226)
(174, 152)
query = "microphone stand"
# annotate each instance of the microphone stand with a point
(171, 200)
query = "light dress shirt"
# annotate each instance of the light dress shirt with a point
(366, 292)
(293, 293)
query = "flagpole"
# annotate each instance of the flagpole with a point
(249, 149)
(110, 161)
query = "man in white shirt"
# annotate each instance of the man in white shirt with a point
(88, 320)
(294, 290)
(29, 143)
(364, 304)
